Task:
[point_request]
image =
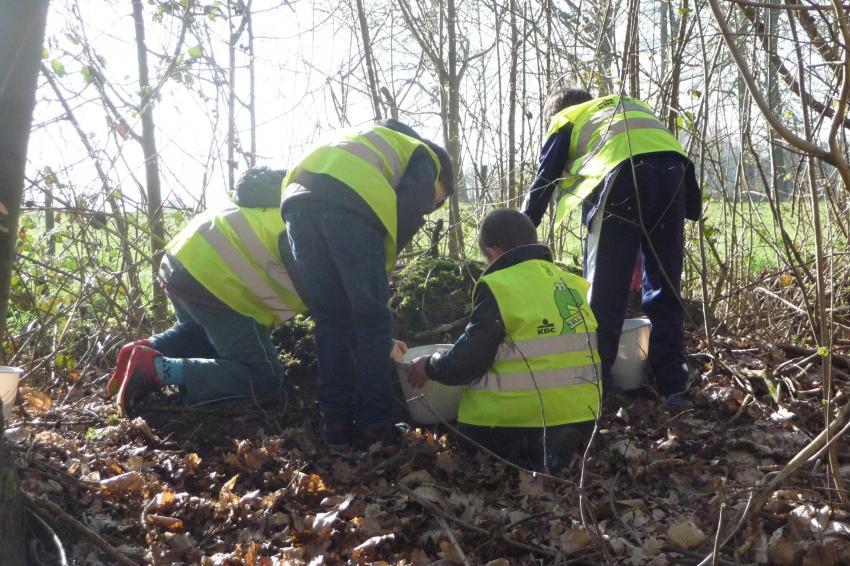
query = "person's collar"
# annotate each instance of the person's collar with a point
(519, 254)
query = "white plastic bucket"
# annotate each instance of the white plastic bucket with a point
(442, 400)
(628, 370)
(9, 378)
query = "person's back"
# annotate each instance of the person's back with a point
(528, 355)
(636, 187)
(350, 206)
(226, 276)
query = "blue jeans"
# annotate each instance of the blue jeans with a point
(647, 220)
(223, 354)
(340, 258)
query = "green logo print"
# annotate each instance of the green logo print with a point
(569, 302)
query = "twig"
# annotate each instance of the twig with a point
(812, 449)
(744, 404)
(452, 538)
(442, 328)
(717, 535)
(61, 557)
(445, 514)
(47, 509)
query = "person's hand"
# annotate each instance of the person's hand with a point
(399, 348)
(417, 375)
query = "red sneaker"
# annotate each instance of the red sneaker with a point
(120, 372)
(141, 378)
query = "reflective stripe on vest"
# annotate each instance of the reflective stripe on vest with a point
(536, 347)
(546, 371)
(597, 143)
(525, 351)
(371, 163)
(248, 273)
(260, 253)
(388, 158)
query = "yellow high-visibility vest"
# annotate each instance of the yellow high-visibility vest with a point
(233, 252)
(371, 163)
(547, 369)
(606, 132)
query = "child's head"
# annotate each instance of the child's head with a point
(504, 229)
(561, 98)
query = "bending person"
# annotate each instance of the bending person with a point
(225, 276)
(617, 159)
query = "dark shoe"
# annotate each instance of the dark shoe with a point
(117, 377)
(387, 435)
(564, 442)
(141, 378)
(336, 432)
(678, 400)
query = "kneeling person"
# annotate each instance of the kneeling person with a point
(528, 355)
(225, 276)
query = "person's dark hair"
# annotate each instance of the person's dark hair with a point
(562, 98)
(447, 170)
(506, 228)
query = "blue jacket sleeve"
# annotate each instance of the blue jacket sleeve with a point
(553, 158)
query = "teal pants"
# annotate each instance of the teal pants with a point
(222, 354)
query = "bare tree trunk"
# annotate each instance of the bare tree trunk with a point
(673, 110)
(605, 51)
(631, 63)
(21, 36)
(512, 95)
(231, 97)
(367, 56)
(154, 193)
(252, 82)
(453, 142)
(774, 100)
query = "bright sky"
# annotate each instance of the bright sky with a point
(296, 49)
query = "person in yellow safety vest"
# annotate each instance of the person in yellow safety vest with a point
(613, 156)
(350, 206)
(226, 276)
(528, 357)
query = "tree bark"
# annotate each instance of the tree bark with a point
(367, 56)
(512, 96)
(21, 37)
(453, 142)
(154, 192)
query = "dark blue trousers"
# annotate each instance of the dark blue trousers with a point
(340, 257)
(643, 212)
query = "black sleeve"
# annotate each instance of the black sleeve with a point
(476, 348)
(693, 193)
(415, 196)
(553, 158)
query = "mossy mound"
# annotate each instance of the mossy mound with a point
(294, 341)
(427, 295)
(432, 292)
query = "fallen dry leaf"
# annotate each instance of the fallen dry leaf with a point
(131, 482)
(781, 551)
(685, 535)
(370, 545)
(168, 523)
(35, 401)
(226, 497)
(573, 540)
(191, 461)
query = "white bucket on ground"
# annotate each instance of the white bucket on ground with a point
(9, 378)
(442, 400)
(627, 372)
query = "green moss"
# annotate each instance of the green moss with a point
(431, 292)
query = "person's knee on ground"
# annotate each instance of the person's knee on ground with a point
(562, 443)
